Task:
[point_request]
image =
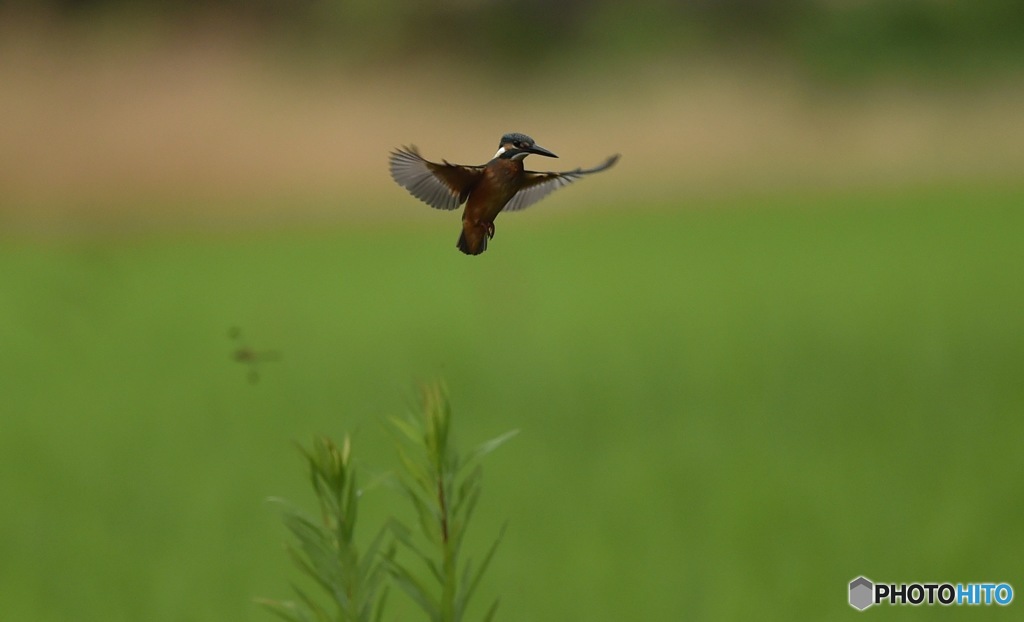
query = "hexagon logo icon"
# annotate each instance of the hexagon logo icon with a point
(861, 593)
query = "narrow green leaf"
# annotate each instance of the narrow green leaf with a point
(484, 564)
(418, 473)
(416, 590)
(488, 446)
(370, 555)
(405, 538)
(380, 604)
(409, 431)
(427, 515)
(320, 562)
(312, 605)
(461, 597)
(306, 568)
(284, 609)
(489, 616)
(469, 493)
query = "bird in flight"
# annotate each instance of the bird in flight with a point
(250, 358)
(503, 184)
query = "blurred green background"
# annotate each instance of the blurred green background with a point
(777, 347)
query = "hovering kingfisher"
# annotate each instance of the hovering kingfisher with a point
(501, 184)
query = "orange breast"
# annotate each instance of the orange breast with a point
(500, 181)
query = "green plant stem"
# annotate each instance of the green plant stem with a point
(443, 488)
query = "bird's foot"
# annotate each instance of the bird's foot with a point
(490, 229)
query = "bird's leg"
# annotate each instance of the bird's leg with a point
(490, 229)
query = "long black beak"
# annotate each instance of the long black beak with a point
(541, 151)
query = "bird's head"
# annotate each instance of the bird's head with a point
(516, 146)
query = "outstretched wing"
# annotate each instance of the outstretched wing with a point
(540, 185)
(442, 186)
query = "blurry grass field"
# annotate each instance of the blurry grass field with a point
(727, 412)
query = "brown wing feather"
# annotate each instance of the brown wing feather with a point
(442, 186)
(540, 185)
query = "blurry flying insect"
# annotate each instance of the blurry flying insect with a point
(251, 358)
(502, 184)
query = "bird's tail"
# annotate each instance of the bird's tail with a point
(473, 240)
